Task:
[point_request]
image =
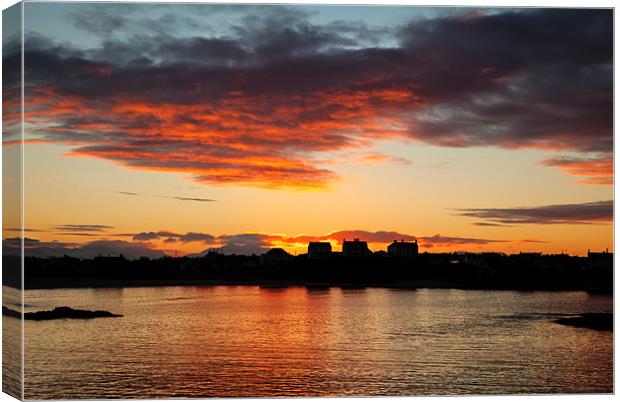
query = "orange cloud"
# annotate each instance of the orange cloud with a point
(597, 171)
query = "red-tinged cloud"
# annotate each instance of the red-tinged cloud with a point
(260, 106)
(383, 159)
(596, 171)
(340, 236)
(565, 214)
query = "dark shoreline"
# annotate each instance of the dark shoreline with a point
(49, 283)
(491, 271)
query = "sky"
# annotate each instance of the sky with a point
(171, 128)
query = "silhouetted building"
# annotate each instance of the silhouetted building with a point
(403, 249)
(319, 249)
(600, 262)
(275, 255)
(355, 248)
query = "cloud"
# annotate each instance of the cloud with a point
(533, 241)
(384, 159)
(145, 236)
(82, 228)
(258, 243)
(144, 243)
(167, 236)
(193, 199)
(490, 224)
(340, 236)
(116, 247)
(36, 248)
(439, 240)
(596, 170)
(82, 234)
(571, 214)
(527, 63)
(166, 233)
(197, 199)
(260, 105)
(192, 236)
(246, 243)
(101, 21)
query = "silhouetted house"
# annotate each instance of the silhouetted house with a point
(403, 249)
(600, 262)
(275, 256)
(355, 248)
(319, 249)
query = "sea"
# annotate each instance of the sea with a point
(246, 341)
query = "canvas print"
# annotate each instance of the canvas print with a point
(250, 200)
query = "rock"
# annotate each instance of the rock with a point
(596, 321)
(59, 313)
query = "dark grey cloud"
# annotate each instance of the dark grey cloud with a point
(82, 228)
(81, 234)
(439, 240)
(165, 233)
(533, 241)
(184, 238)
(16, 243)
(524, 79)
(575, 214)
(36, 248)
(193, 199)
(197, 199)
(246, 243)
(130, 250)
(490, 224)
(145, 236)
(192, 236)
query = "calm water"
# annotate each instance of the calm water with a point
(248, 341)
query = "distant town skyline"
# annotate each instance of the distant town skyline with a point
(175, 128)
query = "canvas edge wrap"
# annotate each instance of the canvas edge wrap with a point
(12, 194)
